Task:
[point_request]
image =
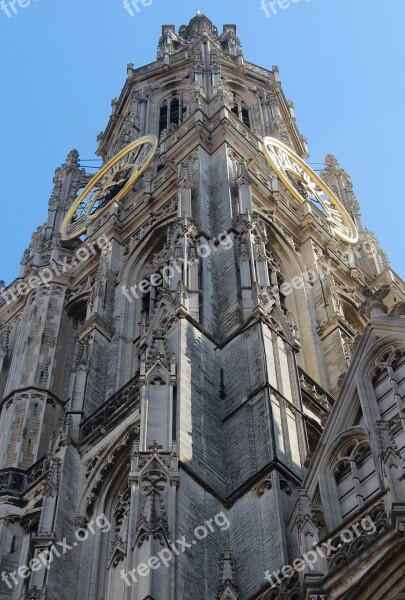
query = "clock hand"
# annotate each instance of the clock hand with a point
(108, 192)
(112, 183)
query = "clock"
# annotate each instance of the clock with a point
(304, 185)
(111, 184)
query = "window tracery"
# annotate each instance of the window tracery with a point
(240, 110)
(172, 113)
(355, 476)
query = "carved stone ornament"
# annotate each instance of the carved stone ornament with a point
(398, 310)
(105, 464)
(264, 485)
(118, 548)
(374, 306)
(154, 473)
(228, 589)
(51, 487)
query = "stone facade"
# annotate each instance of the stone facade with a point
(259, 392)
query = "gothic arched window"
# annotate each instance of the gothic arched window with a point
(198, 75)
(240, 110)
(163, 117)
(150, 297)
(355, 476)
(389, 388)
(216, 76)
(175, 111)
(156, 275)
(172, 113)
(114, 543)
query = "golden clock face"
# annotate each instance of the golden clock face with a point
(304, 185)
(111, 184)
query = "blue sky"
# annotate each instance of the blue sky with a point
(341, 62)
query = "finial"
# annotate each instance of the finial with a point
(199, 13)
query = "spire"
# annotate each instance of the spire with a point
(340, 183)
(200, 27)
(69, 177)
(228, 589)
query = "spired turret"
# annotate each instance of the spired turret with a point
(169, 375)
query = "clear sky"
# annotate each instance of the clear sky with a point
(341, 62)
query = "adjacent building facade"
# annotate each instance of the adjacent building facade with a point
(249, 403)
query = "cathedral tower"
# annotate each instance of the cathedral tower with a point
(210, 382)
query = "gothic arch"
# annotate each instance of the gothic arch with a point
(132, 265)
(291, 261)
(298, 300)
(377, 405)
(380, 348)
(108, 550)
(134, 500)
(274, 256)
(113, 546)
(243, 102)
(128, 308)
(340, 487)
(166, 96)
(243, 91)
(101, 469)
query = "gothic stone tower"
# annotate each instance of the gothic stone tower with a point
(259, 388)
